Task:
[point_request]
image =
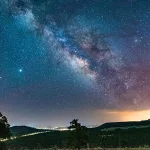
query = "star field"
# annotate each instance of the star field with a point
(68, 59)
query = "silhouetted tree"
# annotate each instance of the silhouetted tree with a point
(4, 127)
(4, 130)
(78, 134)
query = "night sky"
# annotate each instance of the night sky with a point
(66, 59)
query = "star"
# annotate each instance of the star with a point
(20, 70)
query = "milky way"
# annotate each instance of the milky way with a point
(74, 56)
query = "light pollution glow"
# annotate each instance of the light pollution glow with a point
(123, 115)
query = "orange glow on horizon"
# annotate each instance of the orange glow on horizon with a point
(122, 115)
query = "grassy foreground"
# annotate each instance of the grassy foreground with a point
(93, 149)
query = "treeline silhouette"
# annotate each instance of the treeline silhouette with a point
(124, 124)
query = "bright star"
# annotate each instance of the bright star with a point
(20, 70)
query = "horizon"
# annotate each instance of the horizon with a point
(61, 127)
(131, 119)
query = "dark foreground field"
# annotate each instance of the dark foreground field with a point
(94, 149)
(132, 137)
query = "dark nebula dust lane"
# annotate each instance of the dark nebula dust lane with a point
(73, 59)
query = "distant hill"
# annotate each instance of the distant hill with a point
(124, 124)
(21, 130)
